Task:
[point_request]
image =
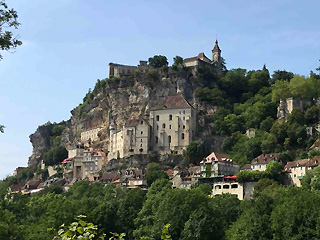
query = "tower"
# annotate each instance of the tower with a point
(216, 56)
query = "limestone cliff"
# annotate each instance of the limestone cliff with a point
(118, 100)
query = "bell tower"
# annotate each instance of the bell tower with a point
(216, 56)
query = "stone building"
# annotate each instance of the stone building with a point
(132, 138)
(83, 164)
(91, 134)
(297, 170)
(217, 165)
(119, 70)
(286, 106)
(260, 163)
(202, 60)
(173, 124)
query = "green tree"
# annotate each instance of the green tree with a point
(281, 75)
(178, 62)
(8, 20)
(195, 152)
(2, 128)
(154, 172)
(158, 61)
(55, 156)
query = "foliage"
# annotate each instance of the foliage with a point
(154, 172)
(8, 19)
(2, 128)
(213, 96)
(80, 229)
(177, 62)
(195, 152)
(55, 156)
(158, 61)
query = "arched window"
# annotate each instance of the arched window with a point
(182, 135)
(170, 117)
(164, 125)
(157, 140)
(170, 126)
(169, 139)
(157, 117)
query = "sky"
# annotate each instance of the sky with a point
(67, 45)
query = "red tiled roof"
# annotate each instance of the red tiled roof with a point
(200, 56)
(66, 160)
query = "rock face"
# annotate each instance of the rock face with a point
(117, 101)
(41, 144)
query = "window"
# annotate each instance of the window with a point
(157, 140)
(226, 186)
(170, 117)
(169, 126)
(157, 127)
(217, 187)
(184, 118)
(234, 185)
(141, 132)
(157, 117)
(184, 112)
(169, 139)
(164, 125)
(141, 122)
(141, 140)
(182, 135)
(140, 145)
(184, 127)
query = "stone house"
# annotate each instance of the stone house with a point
(132, 138)
(202, 60)
(229, 185)
(296, 170)
(90, 134)
(119, 70)
(260, 163)
(217, 165)
(173, 124)
(286, 106)
(83, 164)
(18, 170)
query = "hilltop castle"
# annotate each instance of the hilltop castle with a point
(119, 70)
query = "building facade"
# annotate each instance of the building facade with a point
(91, 134)
(201, 60)
(119, 70)
(173, 125)
(217, 165)
(260, 163)
(286, 106)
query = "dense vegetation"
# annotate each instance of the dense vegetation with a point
(276, 212)
(248, 100)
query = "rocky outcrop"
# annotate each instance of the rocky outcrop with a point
(117, 101)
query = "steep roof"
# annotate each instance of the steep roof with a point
(200, 56)
(216, 47)
(299, 163)
(217, 157)
(173, 102)
(266, 158)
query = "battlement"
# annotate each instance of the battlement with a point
(119, 70)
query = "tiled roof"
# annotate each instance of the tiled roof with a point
(301, 163)
(173, 102)
(266, 158)
(217, 157)
(200, 56)
(246, 166)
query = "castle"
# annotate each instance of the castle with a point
(119, 70)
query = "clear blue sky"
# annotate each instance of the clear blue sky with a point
(68, 45)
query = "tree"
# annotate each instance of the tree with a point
(158, 61)
(178, 61)
(8, 19)
(281, 75)
(55, 156)
(154, 172)
(195, 152)
(2, 128)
